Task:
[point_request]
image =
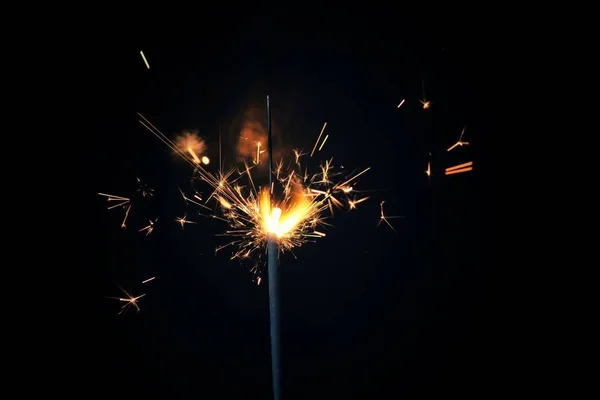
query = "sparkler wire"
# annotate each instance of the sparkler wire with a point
(273, 273)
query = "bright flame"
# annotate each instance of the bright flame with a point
(283, 222)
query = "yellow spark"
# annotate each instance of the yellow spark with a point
(182, 221)
(323, 143)
(144, 189)
(400, 105)
(426, 104)
(145, 61)
(149, 279)
(130, 301)
(428, 170)
(205, 160)
(458, 169)
(460, 142)
(149, 228)
(123, 202)
(385, 218)
(352, 203)
(318, 138)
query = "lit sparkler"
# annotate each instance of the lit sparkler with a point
(253, 213)
(144, 58)
(149, 228)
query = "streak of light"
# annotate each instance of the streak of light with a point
(130, 301)
(459, 171)
(385, 218)
(149, 228)
(323, 142)
(318, 138)
(402, 102)
(149, 279)
(123, 202)
(145, 61)
(188, 200)
(460, 142)
(460, 166)
(182, 221)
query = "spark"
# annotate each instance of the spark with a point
(385, 218)
(149, 228)
(318, 138)
(323, 142)
(130, 301)
(428, 171)
(352, 203)
(402, 102)
(196, 196)
(182, 221)
(460, 142)
(123, 202)
(293, 212)
(144, 189)
(145, 61)
(426, 104)
(458, 169)
(205, 160)
(149, 279)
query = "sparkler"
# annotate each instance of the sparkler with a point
(257, 222)
(252, 214)
(273, 270)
